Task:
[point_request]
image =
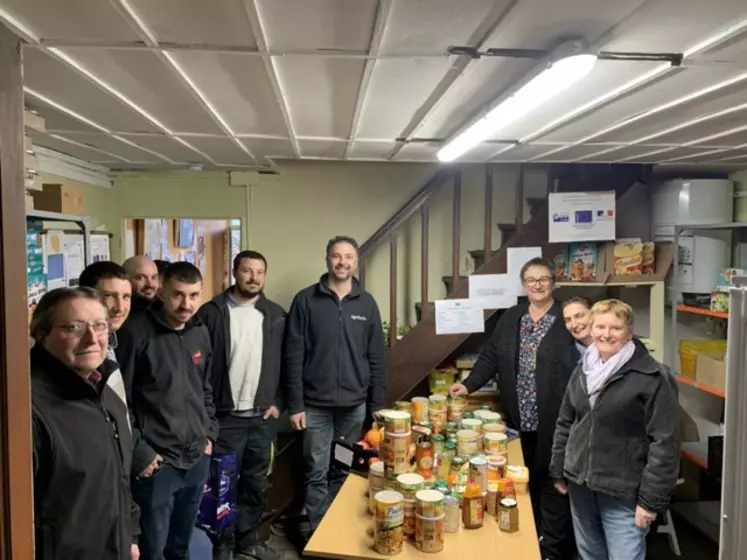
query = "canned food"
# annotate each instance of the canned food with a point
(419, 409)
(495, 443)
(410, 484)
(389, 518)
(429, 533)
(429, 503)
(424, 458)
(478, 472)
(396, 422)
(467, 443)
(395, 453)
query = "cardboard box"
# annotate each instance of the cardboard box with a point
(711, 370)
(61, 198)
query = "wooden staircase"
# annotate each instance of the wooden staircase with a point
(420, 350)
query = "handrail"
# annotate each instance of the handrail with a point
(407, 210)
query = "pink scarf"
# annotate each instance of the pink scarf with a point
(598, 372)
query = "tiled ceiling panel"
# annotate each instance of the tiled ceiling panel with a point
(723, 131)
(317, 24)
(56, 120)
(222, 150)
(398, 88)
(81, 152)
(648, 154)
(322, 149)
(215, 22)
(433, 26)
(170, 148)
(154, 86)
(65, 86)
(321, 93)
(522, 152)
(418, 151)
(71, 20)
(269, 147)
(370, 150)
(238, 87)
(112, 145)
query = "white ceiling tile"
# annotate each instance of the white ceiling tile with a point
(270, 147)
(715, 132)
(646, 154)
(321, 149)
(397, 89)
(418, 151)
(169, 147)
(238, 87)
(55, 120)
(320, 93)
(71, 20)
(317, 24)
(114, 146)
(81, 152)
(222, 150)
(366, 149)
(433, 26)
(217, 22)
(154, 86)
(65, 86)
(521, 152)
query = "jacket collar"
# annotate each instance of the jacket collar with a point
(642, 361)
(323, 287)
(65, 379)
(156, 315)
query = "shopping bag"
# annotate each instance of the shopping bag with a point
(218, 506)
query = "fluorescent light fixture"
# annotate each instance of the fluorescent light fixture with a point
(556, 78)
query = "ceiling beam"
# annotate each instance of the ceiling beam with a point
(493, 21)
(383, 9)
(138, 26)
(255, 21)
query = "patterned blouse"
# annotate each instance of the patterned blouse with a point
(530, 336)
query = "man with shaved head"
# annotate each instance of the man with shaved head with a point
(145, 281)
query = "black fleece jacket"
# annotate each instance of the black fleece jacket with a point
(215, 316)
(334, 350)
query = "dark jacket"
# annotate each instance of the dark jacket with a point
(334, 350)
(167, 377)
(82, 455)
(500, 356)
(215, 316)
(138, 304)
(628, 444)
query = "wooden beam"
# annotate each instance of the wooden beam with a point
(456, 230)
(362, 274)
(423, 262)
(393, 291)
(487, 241)
(16, 479)
(520, 199)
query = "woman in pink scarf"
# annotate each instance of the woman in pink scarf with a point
(616, 446)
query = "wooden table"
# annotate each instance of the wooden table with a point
(346, 530)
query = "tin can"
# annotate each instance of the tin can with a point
(419, 409)
(429, 533)
(397, 422)
(424, 459)
(496, 467)
(395, 453)
(467, 443)
(497, 428)
(437, 402)
(403, 406)
(389, 518)
(410, 484)
(452, 515)
(495, 443)
(471, 424)
(408, 527)
(478, 472)
(429, 503)
(376, 483)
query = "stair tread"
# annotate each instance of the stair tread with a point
(481, 252)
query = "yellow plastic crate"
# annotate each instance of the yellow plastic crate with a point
(689, 350)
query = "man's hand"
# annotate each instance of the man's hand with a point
(643, 518)
(272, 411)
(152, 468)
(134, 552)
(298, 421)
(561, 487)
(458, 390)
(209, 448)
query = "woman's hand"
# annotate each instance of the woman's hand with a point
(643, 518)
(561, 487)
(458, 390)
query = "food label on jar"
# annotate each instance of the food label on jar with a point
(426, 462)
(504, 521)
(476, 513)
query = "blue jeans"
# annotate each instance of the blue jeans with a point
(168, 502)
(605, 526)
(323, 426)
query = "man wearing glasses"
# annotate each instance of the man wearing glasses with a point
(165, 357)
(529, 351)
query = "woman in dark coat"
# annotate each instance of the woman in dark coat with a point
(529, 353)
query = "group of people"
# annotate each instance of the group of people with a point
(598, 418)
(136, 383)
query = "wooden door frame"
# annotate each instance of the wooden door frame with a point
(16, 477)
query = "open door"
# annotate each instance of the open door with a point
(16, 504)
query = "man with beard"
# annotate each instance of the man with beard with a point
(145, 281)
(164, 353)
(111, 281)
(335, 366)
(246, 332)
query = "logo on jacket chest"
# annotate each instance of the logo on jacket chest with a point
(197, 358)
(359, 318)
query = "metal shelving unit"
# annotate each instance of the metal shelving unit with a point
(83, 221)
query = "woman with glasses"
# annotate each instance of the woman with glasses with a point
(82, 445)
(528, 352)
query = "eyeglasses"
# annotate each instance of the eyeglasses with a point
(79, 328)
(532, 282)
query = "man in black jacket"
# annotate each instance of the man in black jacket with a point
(145, 280)
(165, 357)
(83, 509)
(246, 332)
(335, 366)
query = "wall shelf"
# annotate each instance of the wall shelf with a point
(703, 312)
(701, 386)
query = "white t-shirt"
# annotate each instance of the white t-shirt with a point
(245, 358)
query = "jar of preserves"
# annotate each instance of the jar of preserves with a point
(424, 459)
(473, 513)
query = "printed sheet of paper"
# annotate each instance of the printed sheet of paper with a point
(492, 291)
(459, 316)
(516, 257)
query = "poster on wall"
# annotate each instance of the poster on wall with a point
(165, 241)
(152, 239)
(54, 259)
(200, 242)
(100, 247)
(581, 216)
(36, 287)
(75, 257)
